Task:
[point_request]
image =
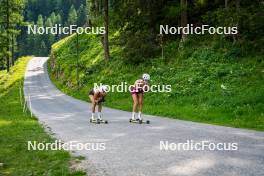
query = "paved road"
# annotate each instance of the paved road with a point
(134, 150)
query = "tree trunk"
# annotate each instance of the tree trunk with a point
(77, 59)
(236, 36)
(97, 7)
(7, 35)
(226, 4)
(13, 50)
(88, 13)
(184, 18)
(101, 7)
(237, 5)
(106, 23)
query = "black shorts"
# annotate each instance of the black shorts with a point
(101, 100)
(91, 92)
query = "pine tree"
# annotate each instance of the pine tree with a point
(88, 12)
(53, 18)
(40, 22)
(11, 18)
(50, 37)
(72, 16)
(58, 19)
(81, 16)
(29, 44)
(43, 49)
(39, 38)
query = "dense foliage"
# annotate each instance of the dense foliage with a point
(136, 21)
(139, 22)
(211, 81)
(47, 14)
(215, 78)
(10, 19)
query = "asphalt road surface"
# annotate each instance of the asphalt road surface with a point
(133, 149)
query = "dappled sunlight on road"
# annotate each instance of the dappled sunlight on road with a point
(192, 166)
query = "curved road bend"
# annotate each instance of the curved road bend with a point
(134, 150)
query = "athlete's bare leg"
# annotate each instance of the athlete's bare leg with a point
(135, 102)
(93, 105)
(99, 107)
(135, 105)
(140, 104)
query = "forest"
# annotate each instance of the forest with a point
(17, 15)
(137, 22)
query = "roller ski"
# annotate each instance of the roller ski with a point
(138, 120)
(98, 120)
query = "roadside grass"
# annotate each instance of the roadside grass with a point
(212, 81)
(17, 128)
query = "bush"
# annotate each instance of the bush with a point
(139, 47)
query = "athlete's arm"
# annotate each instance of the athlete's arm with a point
(96, 96)
(139, 83)
(146, 85)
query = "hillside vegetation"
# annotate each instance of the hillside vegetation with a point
(213, 80)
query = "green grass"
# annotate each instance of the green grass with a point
(16, 128)
(213, 81)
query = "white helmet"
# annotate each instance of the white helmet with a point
(103, 88)
(146, 77)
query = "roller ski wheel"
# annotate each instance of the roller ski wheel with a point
(103, 121)
(130, 120)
